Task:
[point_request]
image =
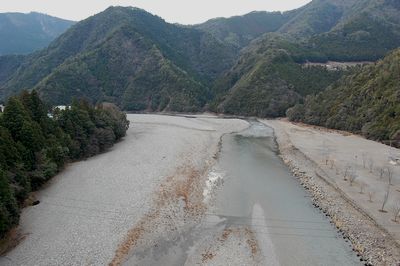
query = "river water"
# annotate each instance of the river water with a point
(259, 191)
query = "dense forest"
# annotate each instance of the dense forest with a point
(36, 142)
(269, 78)
(366, 102)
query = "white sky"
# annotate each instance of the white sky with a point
(180, 11)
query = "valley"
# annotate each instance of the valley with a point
(269, 138)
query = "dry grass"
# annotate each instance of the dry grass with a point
(11, 240)
(252, 242)
(184, 186)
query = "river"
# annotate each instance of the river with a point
(260, 191)
(256, 191)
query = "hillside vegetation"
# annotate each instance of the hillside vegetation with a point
(239, 31)
(129, 57)
(366, 102)
(25, 33)
(268, 79)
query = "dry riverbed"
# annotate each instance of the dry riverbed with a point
(320, 157)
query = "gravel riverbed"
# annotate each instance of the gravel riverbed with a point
(354, 218)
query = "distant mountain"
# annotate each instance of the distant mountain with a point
(239, 31)
(24, 33)
(368, 30)
(366, 102)
(129, 57)
(342, 30)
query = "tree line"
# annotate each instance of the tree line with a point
(36, 142)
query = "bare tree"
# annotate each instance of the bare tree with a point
(362, 187)
(381, 171)
(332, 164)
(337, 170)
(385, 199)
(389, 174)
(396, 210)
(347, 170)
(371, 195)
(364, 158)
(326, 151)
(352, 177)
(370, 164)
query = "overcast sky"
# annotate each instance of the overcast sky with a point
(180, 11)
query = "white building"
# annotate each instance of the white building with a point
(61, 107)
(1, 108)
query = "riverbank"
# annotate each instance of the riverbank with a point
(326, 162)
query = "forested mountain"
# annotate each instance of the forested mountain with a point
(268, 78)
(129, 57)
(239, 31)
(369, 31)
(248, 65)
(366, 102)
(24, 33)
(342, 30)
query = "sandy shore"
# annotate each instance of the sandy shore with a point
(320, 157)
(96, 210)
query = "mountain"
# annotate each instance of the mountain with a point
(239, 31)
(366, 102)
(367, 32)
(24, 33)
(8, 65)
(342, 30)
(129, 57)
(267, 79)
(269, 76)
(255, 64)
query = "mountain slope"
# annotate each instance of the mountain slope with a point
(128, 70)
(366, 102)
(267, 79)
(371, 30)
(105, 56)
(318, 16)
(239, 31)
(25, 33)
(8, 65)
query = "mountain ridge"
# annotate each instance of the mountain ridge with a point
(137, 60)
(23, 33)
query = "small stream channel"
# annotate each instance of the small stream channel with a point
(261, 192)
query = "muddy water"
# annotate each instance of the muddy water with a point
(260, 192)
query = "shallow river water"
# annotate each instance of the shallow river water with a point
(260, 191)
